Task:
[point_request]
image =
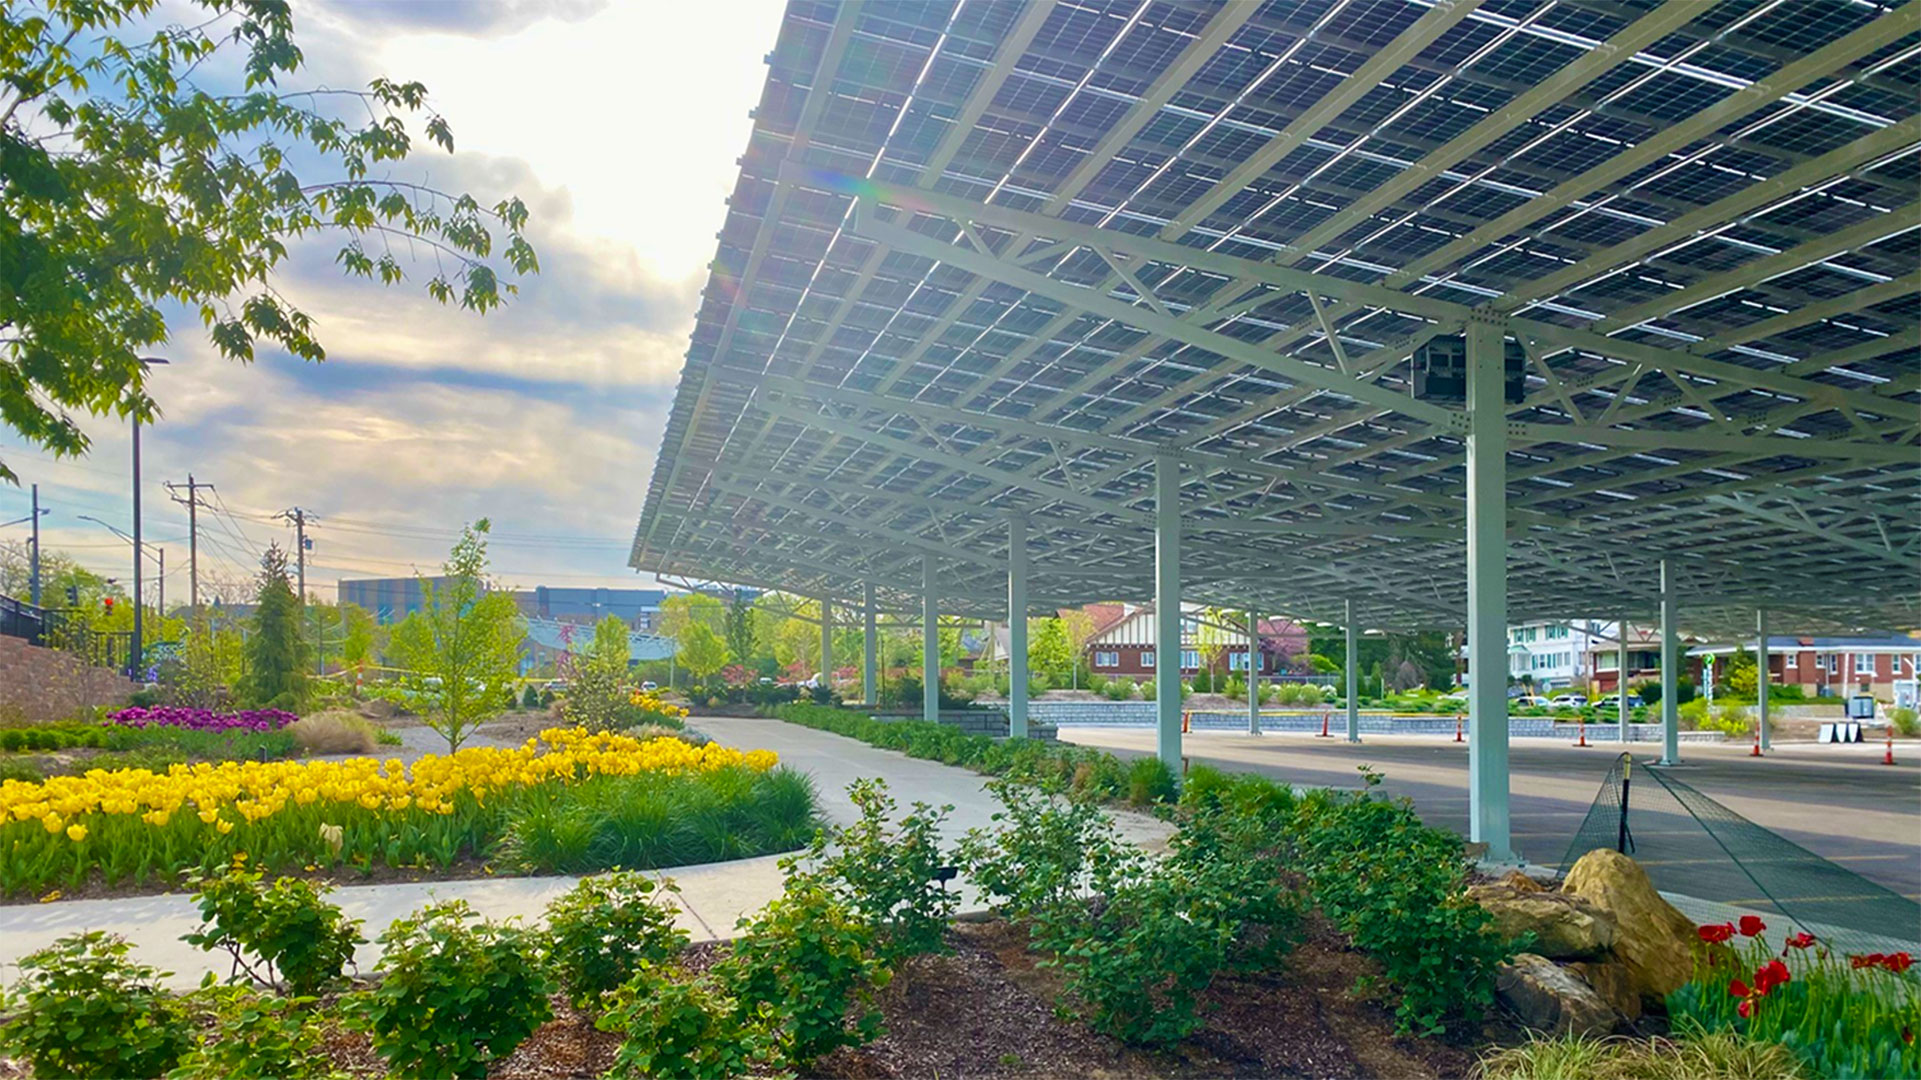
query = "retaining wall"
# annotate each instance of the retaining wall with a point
(41, 685)
(980, 722)
(1142, 714)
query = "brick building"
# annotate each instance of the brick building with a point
(1122, 645)
(1828, 666)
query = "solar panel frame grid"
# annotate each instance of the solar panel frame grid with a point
(1084, 375)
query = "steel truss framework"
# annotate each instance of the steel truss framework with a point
(990, 261)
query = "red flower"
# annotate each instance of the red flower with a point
(1752, 925)
(1897, 962)
(1717, 933)
(1870, 960)
(1769, 976)
(1746, 1008)
(1801, 940)
(1737, 988)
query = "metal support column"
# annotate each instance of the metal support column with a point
(1167, 609)
(1353, 666)
(826, 641)
(1017, 627)
(869, 650)
(1670, 672)
(929, 644)
(1625, 715)
(1761, 675)
(1487, 753)
(1253, 673)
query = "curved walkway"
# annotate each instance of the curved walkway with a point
(713, 896)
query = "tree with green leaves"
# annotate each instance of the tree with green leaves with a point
(597, 678)
(743, 639)
(1048, 650)
(146, 165)
(276, 663)
(462, 648)
(701, 651)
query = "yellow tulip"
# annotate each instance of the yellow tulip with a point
(76, 833)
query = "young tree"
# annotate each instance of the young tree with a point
(681, 610)
(701, 652)
(276, 655)
(463, 646)
(1078, 625)
(142, 174)
(1048, 650)
(743, 638)
(597, 686)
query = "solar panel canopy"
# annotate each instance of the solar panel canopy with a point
(993, 261)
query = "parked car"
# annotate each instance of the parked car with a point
(649, 686)
(1525, 701)
(1613, 701)
(554, 686)
(1569, 701)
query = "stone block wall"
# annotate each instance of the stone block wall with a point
(39, 685)
(981, 722)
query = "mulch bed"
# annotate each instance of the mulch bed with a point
(988, 1010)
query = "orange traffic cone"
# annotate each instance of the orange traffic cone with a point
(1581, 728)
(1756, 752)
(1888, 758)
(1324, 719)
(1187, 721)
(1457, 728)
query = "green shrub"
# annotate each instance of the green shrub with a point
(1033, 861)
(1906, 722)
(1148, 689)
(530, 697)
(1396, 887)
(1149, 781)
(1203, 682)
(604, 929)
(1097, 683)
(805, 971)
(295, 936)
(81, 1009)
(1137, 958)
(1118, 690)
(453, 993)
(1235, 687)
(888, 873)
(259, 1037)
(680, 1029)
(25, 772)
(1692, 714)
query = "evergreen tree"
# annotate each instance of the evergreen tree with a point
(743, 639)
(276, 661)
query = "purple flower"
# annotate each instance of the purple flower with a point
(195, 719)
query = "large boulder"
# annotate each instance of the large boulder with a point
(1565, 926)
(1610, 979)
(1547, 998)
(1651, 937)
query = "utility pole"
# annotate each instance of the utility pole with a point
(160, 583)
(192, 503)
(34, 593)
(300, 518)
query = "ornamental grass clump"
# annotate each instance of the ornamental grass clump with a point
(1853, 1016)
(198, 719)
(136, 824)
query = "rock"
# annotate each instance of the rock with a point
(1546, 998)
(1520, 882)
(1565, 926)
(1651, 937)
(1610, 979)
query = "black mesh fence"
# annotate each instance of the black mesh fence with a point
(1692, 845)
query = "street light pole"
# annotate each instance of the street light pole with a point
(134, 650)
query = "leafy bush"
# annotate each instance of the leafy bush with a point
(1035, 859)
(804, 962)
(1118, 690)
(297, 937)
(889, 874)
(605, 929)
(1906, 722)
(26, 772)
(257, 1037)
(1148, 689)
(453, 994)
(683, 1029)
(81, 1009)
(1396, 888)
(1203, 682)
(530, 697)
(652, 820)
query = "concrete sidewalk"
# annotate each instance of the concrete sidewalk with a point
(713, 896)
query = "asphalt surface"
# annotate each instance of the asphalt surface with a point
(1836, 801)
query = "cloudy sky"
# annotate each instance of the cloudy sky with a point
(618, 123)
